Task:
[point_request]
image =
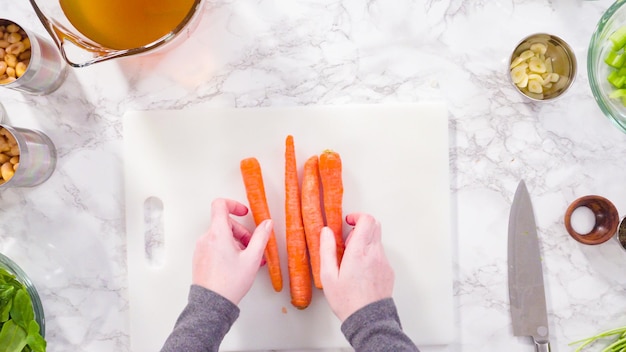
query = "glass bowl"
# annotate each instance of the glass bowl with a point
(598, 71)
(10, 266)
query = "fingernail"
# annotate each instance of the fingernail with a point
(267, 224)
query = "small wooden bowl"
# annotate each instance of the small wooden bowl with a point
(607, 219)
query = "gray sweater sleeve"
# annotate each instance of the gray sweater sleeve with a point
(376, 327)
(203, 323)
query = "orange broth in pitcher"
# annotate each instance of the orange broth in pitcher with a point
(125, 24)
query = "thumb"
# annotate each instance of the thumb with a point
(329, 270)
(258, 241)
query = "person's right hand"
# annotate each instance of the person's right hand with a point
(364, 275)
(228, 256)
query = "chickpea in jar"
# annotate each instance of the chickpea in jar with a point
(9, 155)
(15, 52)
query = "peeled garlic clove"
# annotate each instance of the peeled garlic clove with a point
(519, 73)
(536, 65)
(539, 48)
(554, 77)
(523, 83)
(527, 54)
(548, 63)
(536, 77)
(550, 77)
(541, 57)
(534, 86)
(518, 60)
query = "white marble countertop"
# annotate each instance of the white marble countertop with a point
(69, 233)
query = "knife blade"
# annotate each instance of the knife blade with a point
(526, 290)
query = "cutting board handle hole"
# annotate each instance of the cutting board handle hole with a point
(154, 239)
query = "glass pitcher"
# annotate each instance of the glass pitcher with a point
(91, 31)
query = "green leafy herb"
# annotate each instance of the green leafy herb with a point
(34, 340)
(12, 337)
(19, 331)
(615, 339)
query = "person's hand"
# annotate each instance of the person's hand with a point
(227, 257)
(364, 275)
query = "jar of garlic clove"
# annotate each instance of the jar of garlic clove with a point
(542, 67)
(27, 157)
(28, 62)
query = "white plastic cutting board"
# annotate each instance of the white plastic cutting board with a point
(395, 162)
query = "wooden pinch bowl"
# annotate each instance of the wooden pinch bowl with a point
(606, 219)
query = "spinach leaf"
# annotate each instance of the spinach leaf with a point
(6, 292)
(5, 275)
(12, 337)
(34, 340)
(22, 310)
(5, 311)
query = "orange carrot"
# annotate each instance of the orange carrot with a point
(297, 257)
(332, 189)
(255, 191)
(312, 215)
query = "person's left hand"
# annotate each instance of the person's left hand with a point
(227, 257)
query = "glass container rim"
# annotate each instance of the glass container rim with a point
(593, 53)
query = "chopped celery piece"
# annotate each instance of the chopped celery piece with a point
(618, 38)
(616, 79)
(618, 93)
(615, 59)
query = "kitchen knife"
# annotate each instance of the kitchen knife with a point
(526, 291)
